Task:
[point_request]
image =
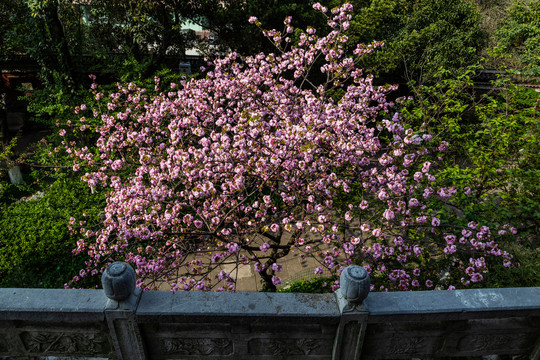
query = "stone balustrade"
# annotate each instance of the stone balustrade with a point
(122, 322)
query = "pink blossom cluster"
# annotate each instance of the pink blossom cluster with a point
(255, 162)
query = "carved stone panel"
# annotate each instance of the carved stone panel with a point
(65, 343)
(290, 347)
(409, 346)
(197, 346)
(493, 343)
(401, 340)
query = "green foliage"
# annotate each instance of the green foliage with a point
(229, 21)
(35, 241)
(316, 285)
(51, 103)
(6, 154)
(494, 146)
(526, 275)
(12, 28)
(518, 37)
(419, 36)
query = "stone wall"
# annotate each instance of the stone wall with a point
(121, 322)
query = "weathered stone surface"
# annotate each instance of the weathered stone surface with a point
(263, 326)
(354, 284)
(169, 304)
(284, 347)
(473, 337)
(118, 281)
(454, 304)
(64, 342)
(197, 346)
(52, 305)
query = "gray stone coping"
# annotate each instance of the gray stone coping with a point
(455, 303)
(52, 304)
(253, 304)
(89, 305)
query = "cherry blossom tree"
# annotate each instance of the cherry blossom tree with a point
(256, 161)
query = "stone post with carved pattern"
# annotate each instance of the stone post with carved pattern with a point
(354, 288)
(118, 282)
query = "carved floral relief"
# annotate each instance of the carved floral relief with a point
(288, 347)
(195, 346)
(38, 342)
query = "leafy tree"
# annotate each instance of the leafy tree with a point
(228, 20)
(12, 25)
(519, 36)
(419, 36)
(493, 147)
(252, 163)
(129, 32)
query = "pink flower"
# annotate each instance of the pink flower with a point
(258, 267)
(388, 214)
(277, 267)
(413, 202)
(233, 247)
(448, 250)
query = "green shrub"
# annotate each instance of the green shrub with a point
(317, 285)
(35, 241)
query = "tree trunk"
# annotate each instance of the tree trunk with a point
(267, 279)
(64, 61)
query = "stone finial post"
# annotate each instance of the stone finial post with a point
(354, 285)
(354, 288)
(118, 282)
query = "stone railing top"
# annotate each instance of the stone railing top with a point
(126, 324)
(454, 301)
(42, 304)
(155, 303)
(17, 302)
